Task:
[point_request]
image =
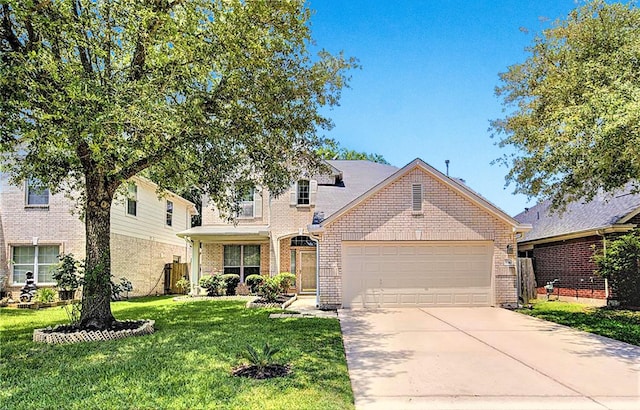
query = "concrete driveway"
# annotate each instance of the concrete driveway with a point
(483, 358)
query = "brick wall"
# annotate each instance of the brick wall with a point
(570, 261)
(388, 216)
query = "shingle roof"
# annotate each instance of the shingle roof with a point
(603, 211)
(358, 175)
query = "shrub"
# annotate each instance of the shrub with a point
(261, 359)
(66, 272)
(270, 289)
(230, 281)
(286, 280)
(213, 284)
(254, 281)
(183, 285)
(45, 295)
(620, 264)
(123, 286)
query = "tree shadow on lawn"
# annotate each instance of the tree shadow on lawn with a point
(185, 364)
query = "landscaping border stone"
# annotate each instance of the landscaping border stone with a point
(49, 335)
(253, 304)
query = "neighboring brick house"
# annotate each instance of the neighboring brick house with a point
(35, 227)
(562, 244)
(369, 234)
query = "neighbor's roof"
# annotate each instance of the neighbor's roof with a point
(359, 176)
(604, 211)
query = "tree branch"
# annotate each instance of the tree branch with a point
(84, 53)
(7, 30)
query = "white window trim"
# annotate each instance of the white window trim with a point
(35, 262)
(26, 197)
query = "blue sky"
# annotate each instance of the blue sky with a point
(426, 87)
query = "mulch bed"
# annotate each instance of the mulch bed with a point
(115, 327)
(266, 372)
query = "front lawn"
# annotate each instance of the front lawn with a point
(623, 325)
(186, 364)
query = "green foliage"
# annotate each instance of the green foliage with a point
(572, 106)
(213, 284)
(67, 273)
(202, 93)
(285, 280)
(261, 358)
(118, 288)
(45, 295)
(620, 264)
(73, 311)
(184, 365)
(254, 282)
(623, 325)
(270, 289)
(183, 285)
(333, 150)
(230, 281)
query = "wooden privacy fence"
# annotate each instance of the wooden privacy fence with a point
(173, 272)
(527, 280)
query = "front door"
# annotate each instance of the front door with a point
(308, 271)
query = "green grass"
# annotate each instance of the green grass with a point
(186, 364)
(623, 325)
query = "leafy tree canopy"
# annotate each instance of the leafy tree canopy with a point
(213, 94)
(333, 150)
(573, 107)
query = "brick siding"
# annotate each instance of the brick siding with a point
(571, 262)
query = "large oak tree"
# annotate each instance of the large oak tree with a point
(213, 94)
(572, 109)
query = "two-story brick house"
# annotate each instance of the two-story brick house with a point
(36, 227)
(368, 234)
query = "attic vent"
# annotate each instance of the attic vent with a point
(416, 191)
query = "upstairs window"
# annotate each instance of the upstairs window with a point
(37, 194)
(169, 214)
(247, 204)
(416, 192)
(132, 200)
(303, 192)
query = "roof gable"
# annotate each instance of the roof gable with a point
(452, 183)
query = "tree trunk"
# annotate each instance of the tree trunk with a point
(96, 293)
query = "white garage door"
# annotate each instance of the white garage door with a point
(407, 274)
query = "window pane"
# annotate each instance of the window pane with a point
(247, 195)
(251, 255)
(45, 273)
(48, 255)
(24, 254)
(293, 262)
(303, 192)
(231, 255)
(169, 213)
(252, 270)
(132, 207)
(232, 270)
(37, 194)
(20, 273)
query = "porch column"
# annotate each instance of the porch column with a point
(195, 267)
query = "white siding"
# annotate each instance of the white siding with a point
(150, 221)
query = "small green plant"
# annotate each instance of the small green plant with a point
(123, 286)
(261, 358)
(213, 284)
(45, 295)
(230, 281)
(73, 311)
(270, 289)
(286, 281)
(183, 285)
(254, 281)
(66, 273)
